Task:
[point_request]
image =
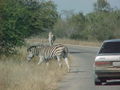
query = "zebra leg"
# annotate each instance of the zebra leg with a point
(59, 61)
(51, 42)
(41, 60)
(47, 63)
(67, 63)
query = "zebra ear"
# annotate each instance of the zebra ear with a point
(29, 48)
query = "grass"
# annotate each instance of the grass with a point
(17, 74)
(64, 41)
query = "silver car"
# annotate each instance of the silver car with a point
(107, 62)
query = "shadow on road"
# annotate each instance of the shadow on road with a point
(113, 83)
(110, 83)
(75, 52)
(76, 71)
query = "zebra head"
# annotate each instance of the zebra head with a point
(31, 52)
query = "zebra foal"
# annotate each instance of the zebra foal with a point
(51, 38)
(46, 53)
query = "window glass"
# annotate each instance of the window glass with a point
(110, 47)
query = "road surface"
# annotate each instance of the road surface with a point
(81, 76)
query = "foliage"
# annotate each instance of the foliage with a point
(102, 5)
(99, 25)
(22, 18)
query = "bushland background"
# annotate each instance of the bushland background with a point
(21, 21)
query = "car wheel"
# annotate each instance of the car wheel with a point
(98, 82)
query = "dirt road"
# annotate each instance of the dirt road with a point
(81, 76)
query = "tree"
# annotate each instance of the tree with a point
(102, 5)
(22, 18)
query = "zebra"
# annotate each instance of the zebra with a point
(51, 38)
(46, 53)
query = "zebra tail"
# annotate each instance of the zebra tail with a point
(65, 52)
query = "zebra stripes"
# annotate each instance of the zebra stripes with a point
(46, 53)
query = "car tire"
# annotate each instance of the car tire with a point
(98, 82)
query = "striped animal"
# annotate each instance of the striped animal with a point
(46, 53)
(51, 38)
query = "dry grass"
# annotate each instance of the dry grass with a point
(78, 42)
(17, 74)
(64, 41)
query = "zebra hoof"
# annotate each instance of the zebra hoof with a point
(68, 70)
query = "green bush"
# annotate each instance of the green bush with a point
(22, 18)
(102, 24)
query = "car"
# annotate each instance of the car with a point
(107, 62)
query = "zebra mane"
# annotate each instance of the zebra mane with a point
(36, 46)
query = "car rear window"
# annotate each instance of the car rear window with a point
(110, 47)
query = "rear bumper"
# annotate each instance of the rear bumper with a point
(107, 74)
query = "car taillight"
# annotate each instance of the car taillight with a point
(103, 63)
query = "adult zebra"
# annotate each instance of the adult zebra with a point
(46, 53)
(51, 38)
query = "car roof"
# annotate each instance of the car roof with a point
(112, 40)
